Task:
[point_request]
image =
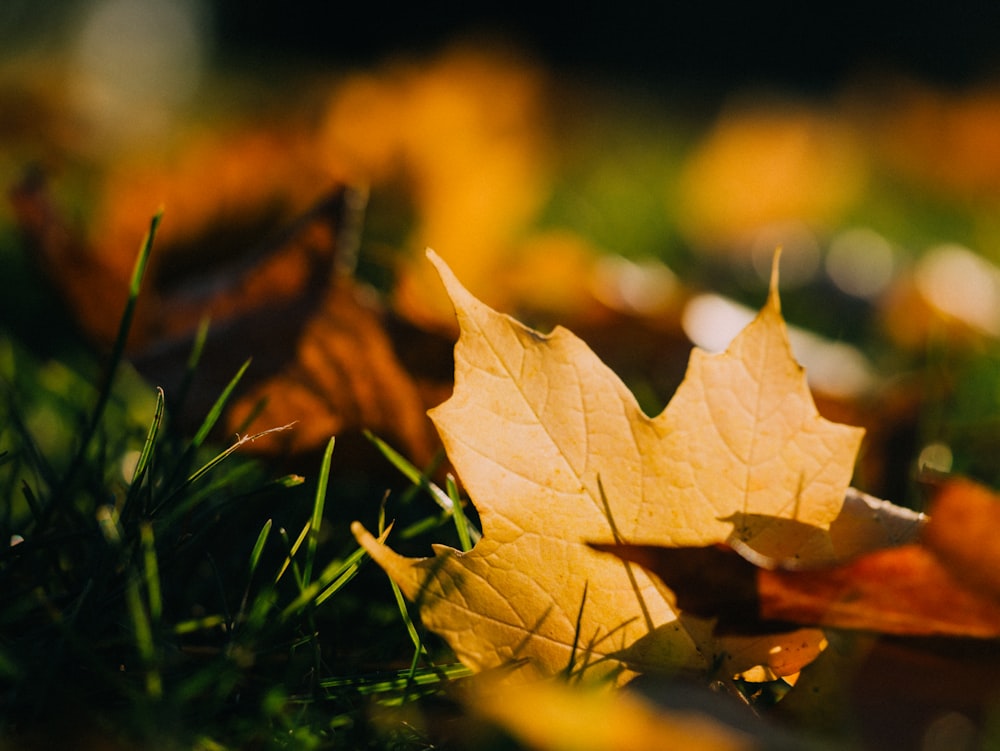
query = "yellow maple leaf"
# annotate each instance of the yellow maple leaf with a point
(555, 452)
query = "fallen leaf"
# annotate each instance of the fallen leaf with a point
(548, 715)
(554, 452)
(904, 590)
(344, 375)
(963, 534)
(945, 584)
(322, 354)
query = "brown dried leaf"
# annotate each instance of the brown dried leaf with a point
(322, 356)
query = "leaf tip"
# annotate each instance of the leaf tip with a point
(362, 535)
(366, 539)
(773, 297)
(451, 283)
(443, 269)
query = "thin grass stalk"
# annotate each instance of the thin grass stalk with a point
(258, 549)
(332, 578)
(290, 558)
(143, 635)
(428, 676)
(409, 471)
(191, 366)
(117, 355)
(152, 570)
(462, 525)
(216, 411)
(211, 418)
(411, 627)
(211, 464)
(317, 515)
(145, 456)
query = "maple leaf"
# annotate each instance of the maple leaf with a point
(555, 452)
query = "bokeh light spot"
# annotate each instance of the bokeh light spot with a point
(962, 285)
(860, 262)
(136, 62)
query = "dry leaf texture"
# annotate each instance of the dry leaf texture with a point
(554, 452)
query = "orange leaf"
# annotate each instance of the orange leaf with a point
(942, 587)
(904, 590)
(963, 534)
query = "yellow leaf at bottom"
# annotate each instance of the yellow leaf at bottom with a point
(556, 716)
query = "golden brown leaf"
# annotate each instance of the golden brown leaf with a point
(555, 452)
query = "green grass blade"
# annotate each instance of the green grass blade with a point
(30, 453)
(143, 635)
(214, 462)
(258, 547)
(107, 522)
(290, 558)
(332, 578)
(409, 471)
(255, 554)
(401, 680)
(317, 515)
(206, 623)
(206, 427)
(288, 481)
(262, 606)
(147, 447)
(32, 500)
(411, 627)
(146, 454)
(152, 569)
(337, 584)
(425, 525)
(419, 479)
(216, 411)
(344, 574)
(462, 525)
(197, 348)
(117, 354)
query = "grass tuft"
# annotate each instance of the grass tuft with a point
(143, 574)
